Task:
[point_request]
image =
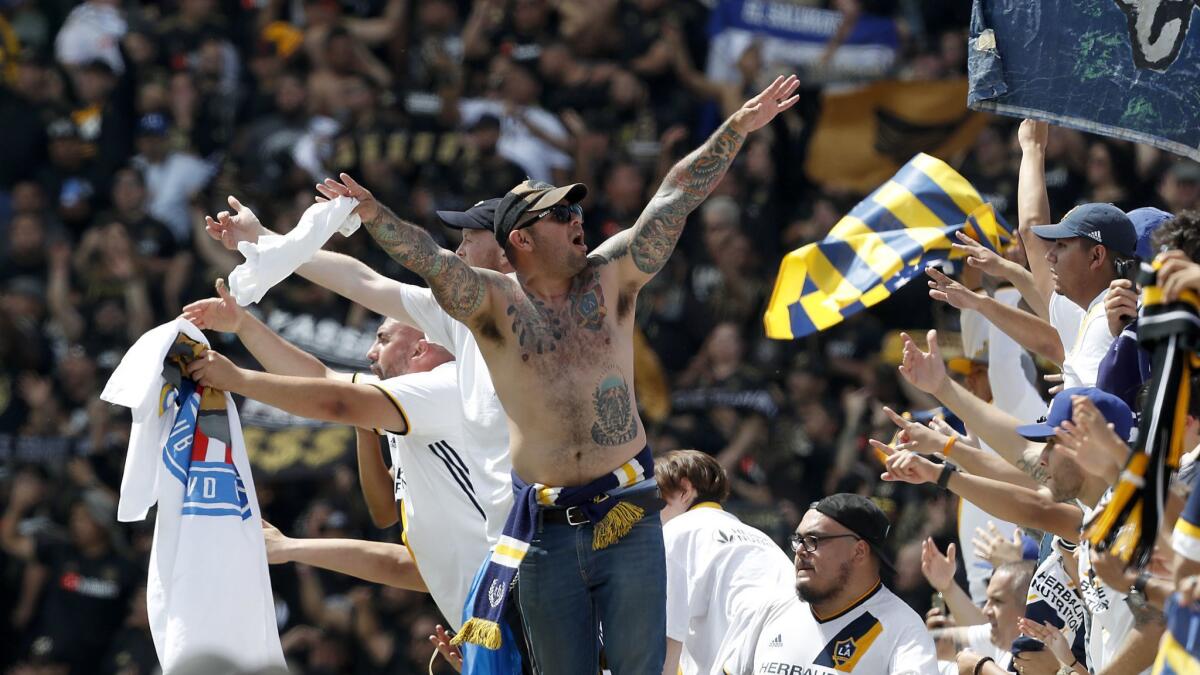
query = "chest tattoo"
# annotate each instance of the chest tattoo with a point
(537, 328)
(587, 304)
(615, 422)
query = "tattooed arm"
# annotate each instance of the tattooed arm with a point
(644, 249)
(461, 290)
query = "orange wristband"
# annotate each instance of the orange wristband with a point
(949, 445)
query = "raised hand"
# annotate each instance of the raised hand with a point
(937, 568)
(213, 370)
(915, 435)
(981, 257)
(944, 289)
(276, 543)
(1120, 305)
(991, 546)
(1056, 643)
(1033, 134)
(367, 207)
(907, 466)
(924, 370)
(760, 110)
(221, 313)
(441, 640)
(1177, 274)
(232, 229)
(1090, 441)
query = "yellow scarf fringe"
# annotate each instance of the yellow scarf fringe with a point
(479, 632)
(616, 524)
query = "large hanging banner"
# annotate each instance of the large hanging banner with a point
(795, 36)
(1128, 69)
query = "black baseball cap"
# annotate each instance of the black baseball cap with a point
(1102, 223)
(478, 217)
(862, 517)
(526, 199)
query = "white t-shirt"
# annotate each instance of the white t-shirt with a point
(445, 525)
(485, 424)
(1012, 391)
(1111, 618)
(979, 640)
(1055, 599)
(718, 569)
(1084, 335)
(878, 635)
(517, 142)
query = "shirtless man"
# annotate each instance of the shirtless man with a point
(558, 340)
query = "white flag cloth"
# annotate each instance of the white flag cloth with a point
(208, 590)
(275, 256)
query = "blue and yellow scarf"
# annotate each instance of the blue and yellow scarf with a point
(612, 519)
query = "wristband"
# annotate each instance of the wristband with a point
(944, 477)
(1139, 584)
(949, 446)
(979, 664)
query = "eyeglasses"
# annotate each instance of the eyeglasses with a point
(811, 541)
(563, 213)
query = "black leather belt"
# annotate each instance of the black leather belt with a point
(575, 516)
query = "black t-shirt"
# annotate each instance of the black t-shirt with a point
(85, 600)
(131, 653)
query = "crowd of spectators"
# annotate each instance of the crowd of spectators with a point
(125, 122)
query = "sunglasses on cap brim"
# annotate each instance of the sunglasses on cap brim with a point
(563, 213)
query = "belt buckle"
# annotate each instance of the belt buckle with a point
(572, 511)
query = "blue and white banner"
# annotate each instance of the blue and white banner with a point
(1123, 68)
(795, 36)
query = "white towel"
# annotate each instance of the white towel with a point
(275, 257)
(208, 590)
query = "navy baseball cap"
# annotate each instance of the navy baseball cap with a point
(1102, 223)
(478, 217)
(1115, 411)
(1145, 221)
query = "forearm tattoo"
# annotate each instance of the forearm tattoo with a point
(457, 288)
(687, 185)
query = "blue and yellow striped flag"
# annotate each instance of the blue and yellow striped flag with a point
(1179, 651)
(886, 240)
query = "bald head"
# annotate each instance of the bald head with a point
(400, 349)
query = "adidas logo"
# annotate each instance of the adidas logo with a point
(1095, 234)
(777, 642)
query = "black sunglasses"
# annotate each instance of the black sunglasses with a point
(811, 541)
(563, 213)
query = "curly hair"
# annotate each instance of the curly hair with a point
(1181, 232)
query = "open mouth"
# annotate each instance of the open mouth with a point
(577, 240)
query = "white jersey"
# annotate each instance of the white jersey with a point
(979, 640)
(878, 635)
(1012, 391)
(1085, 338)
(718, 569)
(485, 425)
(445, 524)
(207, 588)
(1111, 618)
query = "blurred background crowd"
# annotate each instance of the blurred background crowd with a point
(125, 122)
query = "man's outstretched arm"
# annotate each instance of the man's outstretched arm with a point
(644, 248)
(328, 400)
(460, 289)
(349, 278)
(374, 561)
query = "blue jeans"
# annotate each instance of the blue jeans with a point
(566, 589)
